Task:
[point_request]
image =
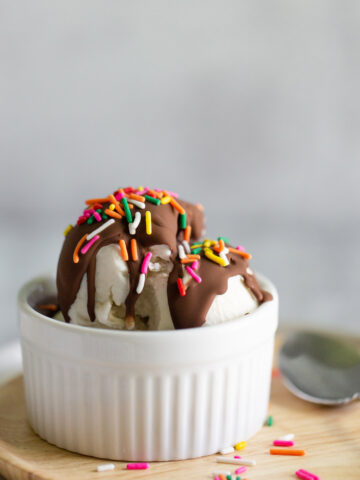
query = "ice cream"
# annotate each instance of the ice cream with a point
(135, 260)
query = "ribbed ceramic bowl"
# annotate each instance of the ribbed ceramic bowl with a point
(145, 395)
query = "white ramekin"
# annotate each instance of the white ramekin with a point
(146, 395)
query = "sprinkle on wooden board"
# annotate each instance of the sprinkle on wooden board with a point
(137, 466)
(105, 467)
(236, 461)
(283, 443)
(134, 249)
(226, 450)
(305, 475)
(123, 250)
(240, 445)
(286, 451)
(270, 421)
(240, 470)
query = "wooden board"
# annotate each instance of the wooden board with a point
(330, 436)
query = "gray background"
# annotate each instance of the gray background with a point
(251, 108)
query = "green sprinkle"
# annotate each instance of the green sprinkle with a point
(228, 477)
(226, 239)
(153, 200)
(182, 220)
(127, 210)
(104, 216)
(238, 478)
(269, 421)
(99, 210)
(195, 251)
(90, 220)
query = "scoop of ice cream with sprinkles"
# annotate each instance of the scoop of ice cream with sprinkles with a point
(137, 259)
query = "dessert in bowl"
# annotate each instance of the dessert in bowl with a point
(153, 344)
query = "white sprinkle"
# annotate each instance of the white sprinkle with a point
(186, 246)
(226, 450)
(221, 472)
(224, 257)
(236, 461)
(287, 438)
(133, 226)
(100, 229)
(181, 252)
(249, 271)
(136, 203)
(105, 467)
(141, 283)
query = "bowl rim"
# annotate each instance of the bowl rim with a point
(242, 322)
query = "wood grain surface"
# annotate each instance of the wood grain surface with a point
(330, 436)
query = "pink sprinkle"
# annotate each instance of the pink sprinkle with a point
(241, 248)
(145, 264)
(195, 265)
(119, 196)
(305, 475)
(172, 194)
(283, 443)
(194, 275)
(240, 470)
(237, 456)
(142, 192)
(89, 244)
(97, 216)
(137, 466)
(87, 214)
(88, 211)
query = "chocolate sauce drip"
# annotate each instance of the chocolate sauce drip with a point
(187, 311)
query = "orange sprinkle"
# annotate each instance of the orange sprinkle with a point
(139, 198)
(221, 245)
(187, 233)
(154, 194)
(91, 201)
(287, 451)
(193, 257)
(48, 306)
(113, 214)
(134, 249)
(186, 260)
(239, 252)
(177, 206)
(124, 252)
(77, 248)
(117, 206)
(276, 373)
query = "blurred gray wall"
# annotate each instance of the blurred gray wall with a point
(251, 108)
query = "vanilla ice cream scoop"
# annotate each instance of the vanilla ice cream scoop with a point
(135, 261)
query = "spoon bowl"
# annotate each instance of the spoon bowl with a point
(320, 368)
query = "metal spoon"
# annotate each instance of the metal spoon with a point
(320, 368)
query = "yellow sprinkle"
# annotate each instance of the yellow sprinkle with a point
(211, 256)
(208, 243)
(148, 222)
(165, 200)
(240, 445)
(112, 206)
(67, 229)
